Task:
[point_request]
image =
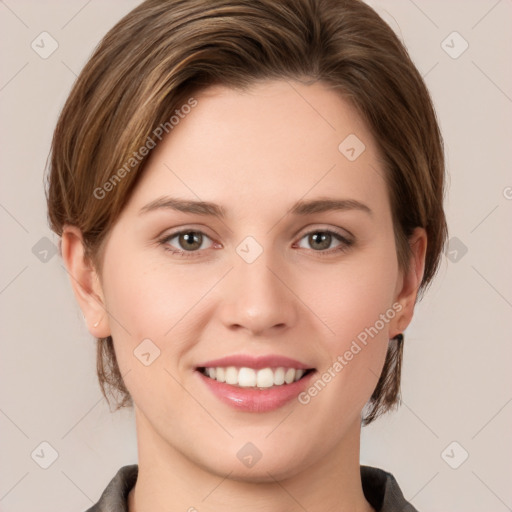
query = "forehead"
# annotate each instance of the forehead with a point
(276, 142)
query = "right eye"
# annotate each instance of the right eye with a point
(189, 240)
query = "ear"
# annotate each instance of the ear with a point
(409, 282)
(85, 282)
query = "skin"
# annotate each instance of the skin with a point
(255, 153)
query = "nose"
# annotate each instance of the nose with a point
(259, 297)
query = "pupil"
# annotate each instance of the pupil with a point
(323, 237)
(190, 238)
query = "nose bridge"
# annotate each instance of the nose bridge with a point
(259, 299)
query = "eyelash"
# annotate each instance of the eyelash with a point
(343, 247)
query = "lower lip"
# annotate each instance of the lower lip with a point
(256, 400)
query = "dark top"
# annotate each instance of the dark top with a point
(380, 489)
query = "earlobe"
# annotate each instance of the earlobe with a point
(85, 282)
(411, 281)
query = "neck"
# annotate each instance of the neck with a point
(168, 480)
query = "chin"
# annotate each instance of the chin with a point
(260, 473)
(248, 464)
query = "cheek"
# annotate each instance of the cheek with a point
(151, 299)
(357, 306)
(357, 293)
(156, 302)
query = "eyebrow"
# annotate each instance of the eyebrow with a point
(301, 208)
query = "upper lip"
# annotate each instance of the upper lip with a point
(256, 362)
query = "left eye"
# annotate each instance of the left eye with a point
(322, 240)
(190, 242)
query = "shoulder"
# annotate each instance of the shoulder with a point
(114, 497)
(382, 491)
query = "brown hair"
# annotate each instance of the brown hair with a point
(152, 61)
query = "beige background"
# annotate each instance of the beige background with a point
(457, 378)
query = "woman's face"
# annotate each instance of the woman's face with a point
(277, 283)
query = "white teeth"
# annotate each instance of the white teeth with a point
(249, 377)
(279, 376)
(265, 378)
(231, 375)
(289, 376)
(220, 375)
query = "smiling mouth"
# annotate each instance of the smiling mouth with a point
(262, 378)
